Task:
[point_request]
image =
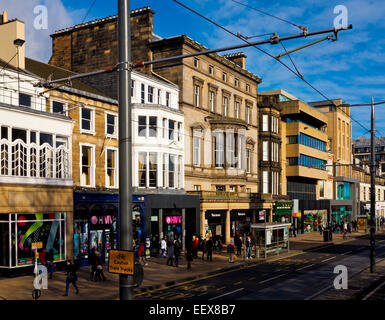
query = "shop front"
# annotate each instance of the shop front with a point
(240, 221)
(341, 214)
(19, 231)
(282, 211)
(215, 224)
(313, 218)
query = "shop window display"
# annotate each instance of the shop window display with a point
(21, 230)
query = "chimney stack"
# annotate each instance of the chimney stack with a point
(238, 58)
(12, 38)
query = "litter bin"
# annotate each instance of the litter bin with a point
(327, 235)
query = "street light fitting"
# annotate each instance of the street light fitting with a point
(19, 42)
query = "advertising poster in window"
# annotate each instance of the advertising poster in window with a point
(45, 228)
(268, 237)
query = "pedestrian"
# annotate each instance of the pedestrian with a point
(163, 246)
(320, 229)
(99, 267)
(195, 246)
(209, 248)
(238, 244)
(92, 262)
(231, 251)
(71, 277)
(177, 250)
(249, 246)
(294, 231)
(170, 253)
(49, 263)
(203, 248)
(142, 255)
(189, 255)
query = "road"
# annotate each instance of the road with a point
(298, 277)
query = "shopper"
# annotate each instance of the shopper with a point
(99, 267)
(203, 248)
(177, 250)
(231, 251)
(170, 253)
(49, 263)
(238, 244)
(195, 246)
(189, 255)
(209, 248)
(163, 247)
(142, 255)
(71, 277)
(92, 262)
(249, 246)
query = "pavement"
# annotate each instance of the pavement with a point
(156, 273)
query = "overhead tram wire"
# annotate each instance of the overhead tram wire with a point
(285, 65)
(271, 15)
(89, 10)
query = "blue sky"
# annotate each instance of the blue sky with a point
(351, 68)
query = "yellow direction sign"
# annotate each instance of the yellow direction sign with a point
(121, 262)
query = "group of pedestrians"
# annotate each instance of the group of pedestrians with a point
(171, 250)
(237, 245)
(96, 263)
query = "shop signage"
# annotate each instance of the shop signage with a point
(121, 262)
(268, 236)
(262, 214)
(173, 219)
(99, 220)
(241, 214)
(218, 230)
(283, 207)
(215, 215)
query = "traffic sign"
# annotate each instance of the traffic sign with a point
(121, 262)
(37, 245)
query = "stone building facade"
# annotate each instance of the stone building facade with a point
(218, 97)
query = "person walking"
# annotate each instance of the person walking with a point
(71, 277)
(142, 255)
(163, 247)
(189, 255)
(231, 251)
(249, 246)
(177, 250)
(209, 248)
(238, 244)
(170, 253)
(203, 248)
(320, 228)
(99, 267)
(49, 263)
(92, 262)
(195, 246)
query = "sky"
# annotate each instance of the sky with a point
(351, 68)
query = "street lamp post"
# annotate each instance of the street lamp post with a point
(126, 282)
(372, 193)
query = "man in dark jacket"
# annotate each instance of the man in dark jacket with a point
(238, 244)
(71, 277)
(93, 263)
(209, 248)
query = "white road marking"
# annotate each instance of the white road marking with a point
(328, 259)
(281, 275)
(308, 266)
(226, 294)
(346, 253)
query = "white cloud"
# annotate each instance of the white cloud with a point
(38, 42)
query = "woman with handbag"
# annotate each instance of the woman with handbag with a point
(71, 277)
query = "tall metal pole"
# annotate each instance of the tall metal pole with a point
(372, 194)
(125, 142)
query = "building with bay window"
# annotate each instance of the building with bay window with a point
(36, 187)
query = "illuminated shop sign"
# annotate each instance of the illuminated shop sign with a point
(173, 219)
(99, 220)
